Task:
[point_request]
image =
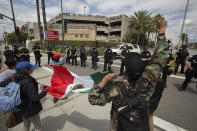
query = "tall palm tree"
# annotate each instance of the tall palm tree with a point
(140, 21)
(155, 20)
(39, 24)
(44, 15)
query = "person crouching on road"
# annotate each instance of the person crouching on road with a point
(56, 61)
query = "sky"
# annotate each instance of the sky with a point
(172, 10)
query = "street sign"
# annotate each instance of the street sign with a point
(1, 16)
(51, 35)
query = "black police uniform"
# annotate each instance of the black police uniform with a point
(108, 59)
(24, 54)
(180, 60)
(94, 54)
(83, 56)
(68, 56)
(16, 54)
(123, 53)
(146, 54)
(50, 54)
(8, 54)
(37, 54)
(189, 74)
(74, 56)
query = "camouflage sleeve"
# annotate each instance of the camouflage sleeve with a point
(154, 70)
(101, 97)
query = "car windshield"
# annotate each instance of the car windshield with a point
(117, 47)
(135, 46)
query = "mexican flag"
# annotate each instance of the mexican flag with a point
(63, 82)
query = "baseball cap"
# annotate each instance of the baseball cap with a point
(56, 57)
(25, 65)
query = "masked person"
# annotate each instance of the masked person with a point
(83, 56)
(190, 72)
(38, 55)
(108, 59)
(139, 85)
(181, 56)
(74, 55)
(123, 54)
(94, 54)
(146, 56)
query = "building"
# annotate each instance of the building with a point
(90, 27)
(33, 30)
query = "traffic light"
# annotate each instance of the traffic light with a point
(65, 26)
(17, 31)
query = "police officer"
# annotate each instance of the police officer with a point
(74, 55)
(16, 53)
(108, 59)
(36, 50)
(146, 56)
(181, 56)
(94, 54)
(123, 54)
(83, 56)
(8, 53)
(24, 54)
(190, 72)
(50, 53)
(68, 55)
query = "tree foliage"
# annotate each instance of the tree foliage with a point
(11, 37)
(184, 38)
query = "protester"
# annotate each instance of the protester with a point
(56, 61)
(30, 98)
(191, 72)
(137, 77)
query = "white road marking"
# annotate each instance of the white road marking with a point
(156, 120)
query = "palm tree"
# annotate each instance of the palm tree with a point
(39, 24)
(140, 21)
(184, 38)
(44, 15)
(155, 20)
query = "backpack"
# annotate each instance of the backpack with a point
(155, 98)
(10, 97)
(133, 111)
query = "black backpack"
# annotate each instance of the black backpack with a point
(133, 111)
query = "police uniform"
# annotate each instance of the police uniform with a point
(189, 74)
(8, 54)
(37, 54)
(146, 55)
(107, 59)
(24, 54)
(74, 56)
(123, 53)
(112, 93)
(180, 60)
(83, 56)
(16, 54)
(50, 53)
(68, 56)
(94, 54)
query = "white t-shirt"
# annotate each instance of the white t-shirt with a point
(6, 74)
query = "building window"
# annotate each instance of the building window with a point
(87, 35)
(76, 35)
(81, 35)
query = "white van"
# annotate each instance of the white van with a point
(132, 48)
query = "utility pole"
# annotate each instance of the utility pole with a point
(62, 25)
(17, 37)
(183, 24)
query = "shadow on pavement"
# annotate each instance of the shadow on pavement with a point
(188, 89)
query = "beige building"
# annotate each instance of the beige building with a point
(76, 32)
(101, 28)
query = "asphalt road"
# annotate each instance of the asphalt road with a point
(178, 108)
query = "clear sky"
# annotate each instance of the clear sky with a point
(173, 11)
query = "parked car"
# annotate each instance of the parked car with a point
(118, 49)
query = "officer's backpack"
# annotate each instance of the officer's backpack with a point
(133, 111)
(10, 97)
